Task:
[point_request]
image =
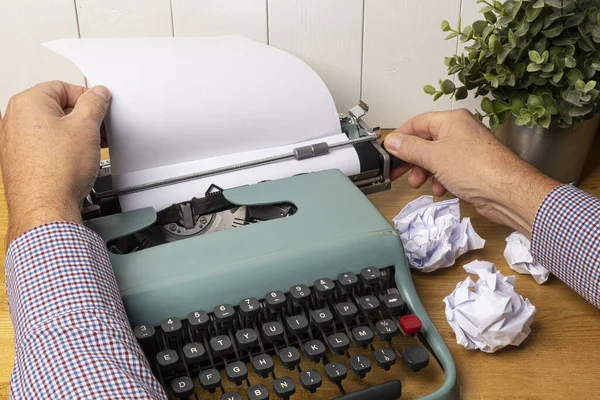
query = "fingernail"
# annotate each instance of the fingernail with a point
(393, 141)
(103, 92)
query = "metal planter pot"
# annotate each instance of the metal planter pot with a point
(558, 152)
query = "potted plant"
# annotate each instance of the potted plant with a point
(536, 63)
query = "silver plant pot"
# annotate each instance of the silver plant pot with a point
(557, 152)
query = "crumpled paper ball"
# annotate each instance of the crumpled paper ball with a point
(518, 256)
(488, 314)
(433, 234)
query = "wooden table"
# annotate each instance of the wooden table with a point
(560, 359)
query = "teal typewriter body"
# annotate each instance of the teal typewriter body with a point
(335, 229)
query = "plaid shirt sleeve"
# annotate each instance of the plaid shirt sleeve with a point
(566, 239)
(72, 337)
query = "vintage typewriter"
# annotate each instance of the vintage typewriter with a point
(293, 288)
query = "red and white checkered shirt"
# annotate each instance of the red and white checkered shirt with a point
(73, 340)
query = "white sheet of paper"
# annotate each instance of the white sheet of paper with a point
(433, 234)
(518, 256)
(488, 314)
(180, 103)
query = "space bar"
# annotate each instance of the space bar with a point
(391, 390)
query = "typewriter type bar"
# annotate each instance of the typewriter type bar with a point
(333, 331)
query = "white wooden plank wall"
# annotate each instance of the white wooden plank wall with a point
(384, 51)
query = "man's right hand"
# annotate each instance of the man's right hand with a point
(465, 157)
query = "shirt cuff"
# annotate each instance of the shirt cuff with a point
(56, 269)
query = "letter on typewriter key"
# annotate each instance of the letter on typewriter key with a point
(275, 300)
(224, 313)
(298, 324)
(322, 318)
(220, 345)
(386, 329)
(171, 326)
(336, 371)
(369, 304)
(346, 311)
(314, 350)
(209, 379)
(193, 353)
(263, 365)
(249, 307)
(231, 396)
(324, 287)
(415, 357)
(198, 319)
(393, 302)
(246, 338)
(370, 276)
(347, 281)
(257, 392)
(300, 294)
(289, 357)
(237, 372)
(311, 380)
(385, 357)
(362, 336)
(284, 387)
(182, 387)
(273, 331)
(167, 360)
(360, 365)
(146, 337)
(338, 342)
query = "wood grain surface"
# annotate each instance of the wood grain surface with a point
(560, 359)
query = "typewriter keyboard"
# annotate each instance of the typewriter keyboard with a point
(350, 337)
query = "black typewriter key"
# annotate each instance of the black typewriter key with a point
(257, 392)
(224, 313)
(346, 311)
(314, 350)
(360, 365)
(311, 380)
(167, 360)
(338, 342)
(273, 331)
(321, 318)
(385, 358)
(393, 302)
(370, 276)
(193, 353)
(182, 387)
(246, 338)
(171, 327)
(386, 329)
(415, 357)
(249, 307)
(336, 371)
(275, 300)
(237, 372)
(146, 337)
(289, 357)
(198, 319)
(298, 324)
(300, 294)
(220, 345)
(347, 281)
(284, 387)
(369, 304)
(263, 365)
(362, 336)
(231, 396)
(209, 379)
(324, 287)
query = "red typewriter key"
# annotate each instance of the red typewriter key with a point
(410, 324)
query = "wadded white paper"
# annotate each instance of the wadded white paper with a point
(488, 314)
(518, 256)
(433, 234)
(180, 104)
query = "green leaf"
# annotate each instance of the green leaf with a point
(538, 4)
(512, 39)
(447, 87)
(452, 35)
(535, 56)
(574, 75)
(556, 3)
(485, 9)
(534, 101)
(570, 62)
(575, 19)
(467, 34)
(522, 30)
(589, 86)
(553, 31)
(429, 89)
(557, 76)
(461, 93)
(502, 54)
(523, 120)
(532, 67)
(544, 120)
(494, 122)
(487, 106)
(437, 96)
(445, 26)
(479, 26)
(494, 43)
(516, 104)
(532, 13)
